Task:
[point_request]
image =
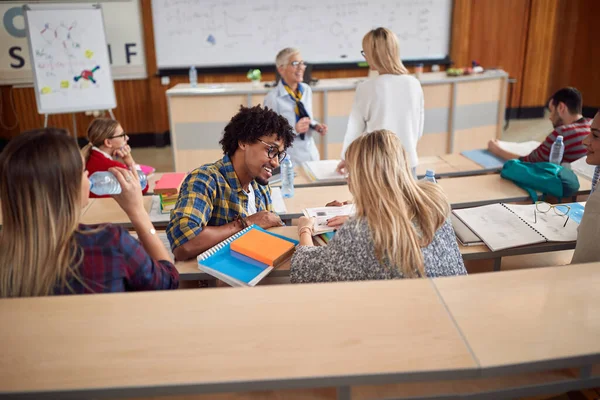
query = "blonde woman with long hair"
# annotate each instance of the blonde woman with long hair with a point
(106, 141)
(393, 100)
(45, 250)
(401, 228)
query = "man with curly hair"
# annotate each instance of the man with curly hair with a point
(219, 199)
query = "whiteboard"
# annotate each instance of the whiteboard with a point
(69, 56)
(211, 33)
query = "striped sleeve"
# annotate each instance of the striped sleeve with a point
(542, 152)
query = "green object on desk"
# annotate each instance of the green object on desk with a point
(254, 75)
(363, 64)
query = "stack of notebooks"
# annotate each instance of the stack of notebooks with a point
(247, 257)
(503, 226)
(168, 189)
(323, 171)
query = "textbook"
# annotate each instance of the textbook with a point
(465, 236)
(323, 214)
(169, 183)
(237, 269)
(323, 170)
(260, 246)
(503, 226)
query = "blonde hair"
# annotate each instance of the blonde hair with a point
(99, 130)
(403, 214)
(382, 50)
(283, 57)
(40, 193)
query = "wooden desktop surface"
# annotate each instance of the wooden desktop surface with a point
(543, 314)
(275, 337)
(228, 337)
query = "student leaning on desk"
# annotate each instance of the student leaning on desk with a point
(107, 140)
(220, 199)
(401, 228)
(45, 251)
(587, 248)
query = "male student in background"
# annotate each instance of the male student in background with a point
(565, 115)
(220, 199)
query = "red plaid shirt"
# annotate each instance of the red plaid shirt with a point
(113, 261)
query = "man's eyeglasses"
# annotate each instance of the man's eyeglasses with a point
(273, 151)
(362, 52)
(298, 64)
(559, 209)
(118, 136)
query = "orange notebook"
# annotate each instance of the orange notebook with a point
(169, 183)
(263, 247)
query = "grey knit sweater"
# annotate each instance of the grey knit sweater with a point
(350, 256)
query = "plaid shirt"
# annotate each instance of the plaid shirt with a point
(113, 261)
(212, 195)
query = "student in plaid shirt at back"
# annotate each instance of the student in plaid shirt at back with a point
(45, 251)
(219, 199)
(565, 114)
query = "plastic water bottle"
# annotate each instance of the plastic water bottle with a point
(287, 178)
(430, 176)
(193, 77)
(557, 151)
(104, 183)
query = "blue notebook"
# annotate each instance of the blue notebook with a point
(484, 158)
(233, 268)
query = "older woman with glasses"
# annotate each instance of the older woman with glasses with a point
(292, 99)
(107, 140)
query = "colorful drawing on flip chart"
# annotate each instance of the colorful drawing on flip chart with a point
(64, 84)
(89, 54)
(87, 74)
(46, 90)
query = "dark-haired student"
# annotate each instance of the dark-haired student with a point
(219, 199)
(565, 114)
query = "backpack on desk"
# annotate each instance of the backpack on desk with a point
(543, 177)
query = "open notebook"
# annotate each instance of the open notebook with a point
(502, 226)
(234, 268)
(323, 214)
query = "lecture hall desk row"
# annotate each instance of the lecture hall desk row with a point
(432, 338)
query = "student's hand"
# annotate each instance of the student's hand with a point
(306, 222)
(125, 154)
(493, 146)
(265, 219)
(303, 125)
(341, 168)
(337, 221)
(130, 199)
(322, 129)
(336, 203)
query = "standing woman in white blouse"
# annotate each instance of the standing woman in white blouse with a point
(393, 100)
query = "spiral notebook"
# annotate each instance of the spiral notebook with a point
(233, 268)
(503, 226)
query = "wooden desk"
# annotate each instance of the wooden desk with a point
(229, 339)
(461, 113)
(528, 317)
(101, 211)
(462, 192)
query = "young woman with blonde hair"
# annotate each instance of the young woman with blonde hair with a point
(393, 100)
(45, 250)
(107, 140)
(401, 228)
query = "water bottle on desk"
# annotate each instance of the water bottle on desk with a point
(104, 183)
(430, 176)
(287, 178)
(557, 151)
(193, 77)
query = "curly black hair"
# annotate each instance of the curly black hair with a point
(250, 123)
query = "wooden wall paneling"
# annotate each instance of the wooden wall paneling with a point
(539, 53)
(9, 126)
(461, 25)
(563, 54)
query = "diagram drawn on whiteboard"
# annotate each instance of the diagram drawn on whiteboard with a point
(64, 62)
